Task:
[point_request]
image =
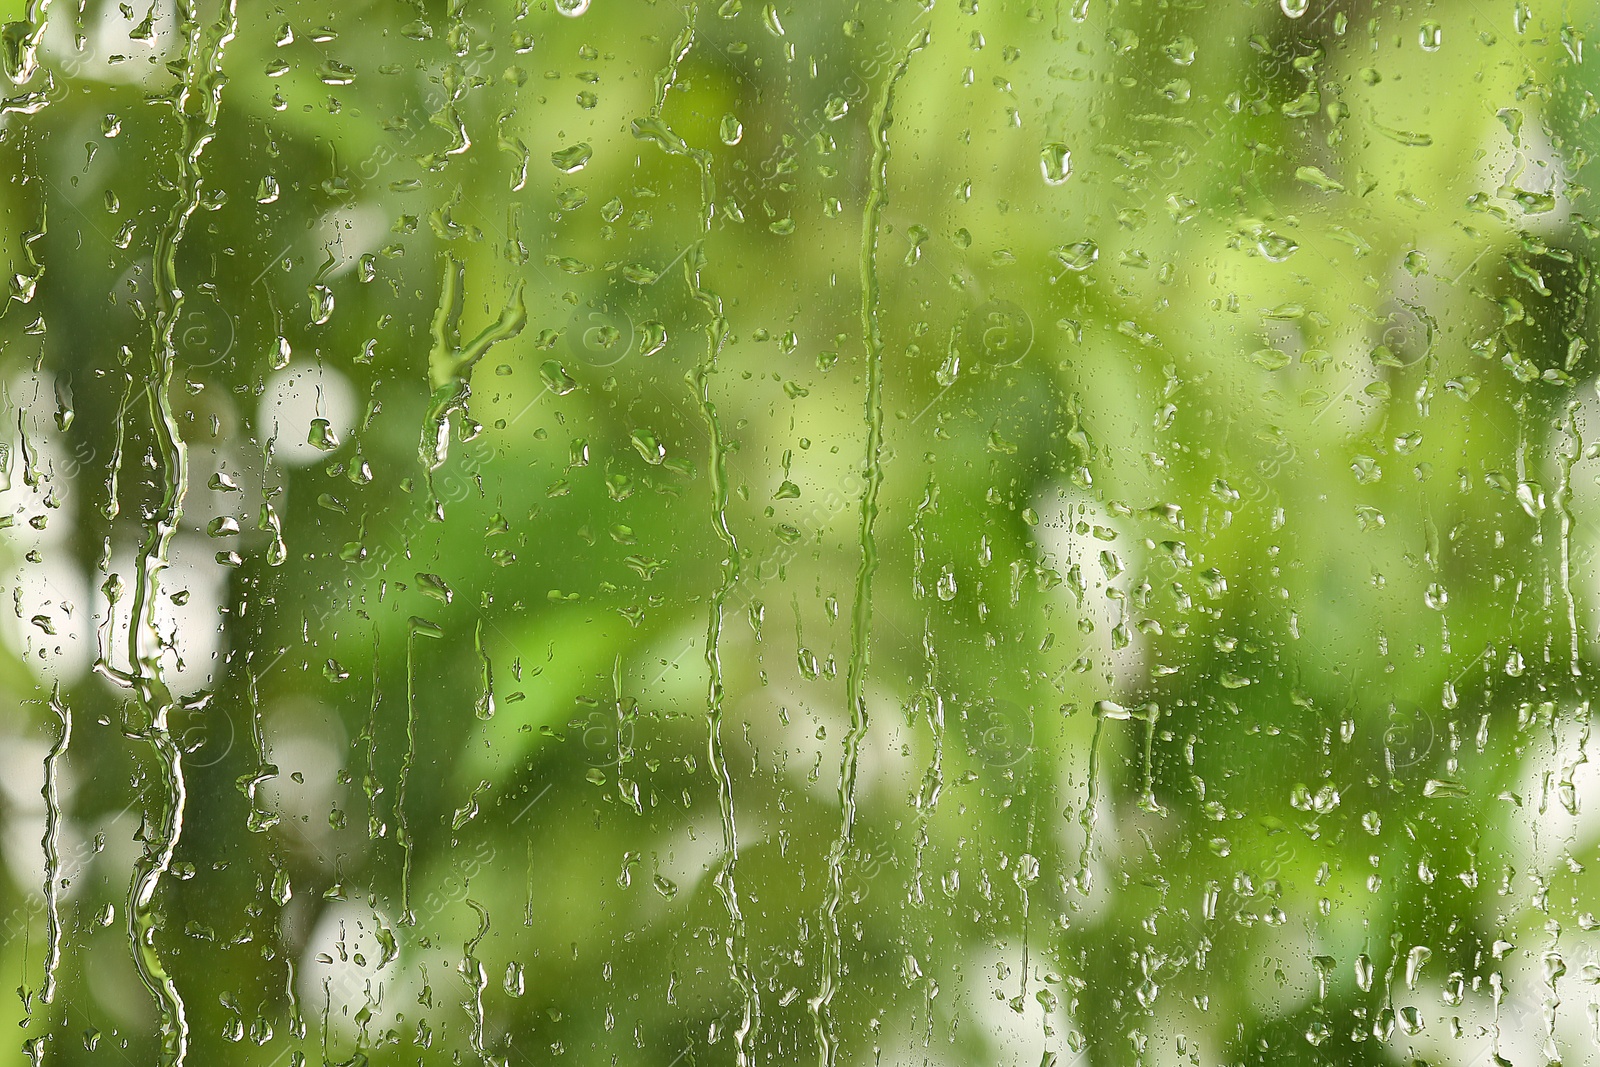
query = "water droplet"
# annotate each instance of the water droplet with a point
(572, 159)
(335, 73)
(1275, 246)
(1531, 496)
(556, 378)
(432, 585)
(1078, 256)
(322, 435)
(650, 450)
(1055, 163)
(652, 337)
(321, 304)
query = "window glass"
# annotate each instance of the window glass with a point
(858, 532)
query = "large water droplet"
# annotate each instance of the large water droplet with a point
(321, 304)
(1055, 163)
(649, 448)
(1079, 256)
(573, 159)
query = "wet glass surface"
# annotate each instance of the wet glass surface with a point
(853, 533)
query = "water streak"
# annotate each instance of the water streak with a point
(655, 129)
(52, 844)
(861, 611)
(195, 103)
(417, 627)
(450, 363)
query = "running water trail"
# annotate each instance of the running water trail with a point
(259, 820)
(450, 364)
(933, 778)
(21, 63)
(1565, 460)
(476, 978)
(861, 611)
(368, 740)
(656, 129)
(417, 627)
(195, 103)
(52, 844)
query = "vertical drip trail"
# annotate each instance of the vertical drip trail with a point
(369, 738)
(402, 825)
(738, 951)
(1025, 878)
(450, 364)
(201, 86)
(415, 628)
(1566, 460)
(1086, 817)
(477, 980)
(861, 610)
(258, 820)
(36, 22)
(933, 779)
(52, 844)
(21, 65)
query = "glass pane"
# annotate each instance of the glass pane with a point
(854, 533)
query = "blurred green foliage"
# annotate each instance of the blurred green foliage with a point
(433, 382)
